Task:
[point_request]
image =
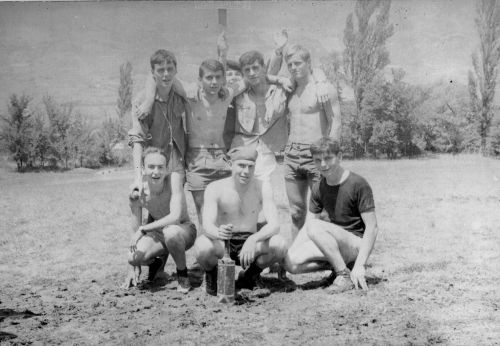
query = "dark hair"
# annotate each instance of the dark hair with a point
(301, 51)
(161, 56)
(250, 57)
(211, 65)
(325, 146)
(154, 150)
(233, 65)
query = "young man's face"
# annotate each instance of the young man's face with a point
(243, 171)
(155, 168)
(233, 76)
(297, 67)
(212, 81)
(164, 74)
(254, 73)
(326, 163)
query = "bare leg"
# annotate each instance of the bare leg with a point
(270, 251)
(178, 239)
(338, 245)
(198, 198)
(296, 191)
(208, 252)
(147, 250)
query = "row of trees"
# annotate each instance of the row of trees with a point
(393, 118)
(54, 135)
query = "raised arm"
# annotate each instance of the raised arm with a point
(369, 237)
(276, 60)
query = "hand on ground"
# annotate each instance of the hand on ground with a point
(133, 276)
(358, 277)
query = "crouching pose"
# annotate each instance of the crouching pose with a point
(230, 213)
(168, 230)
(348, 239)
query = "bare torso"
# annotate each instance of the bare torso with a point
(307, 117)
(241, 209)
(205, 123)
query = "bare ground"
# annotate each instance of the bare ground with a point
(434, 271)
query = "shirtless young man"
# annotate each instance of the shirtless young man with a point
(208, 104)
(230, 214)
(349, 237)
(168, 230)
(309, 121)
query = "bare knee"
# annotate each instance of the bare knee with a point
(290, 264)
(136, 258)
(316, 230)
(298, 213)
(205, 252)
(278, 246)
(173, 238)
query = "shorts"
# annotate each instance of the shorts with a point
(158, 235)
(205, 166)
(235, 245)
(299, 163)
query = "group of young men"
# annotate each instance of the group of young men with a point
(219, 136)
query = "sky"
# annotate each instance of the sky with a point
(73, 50)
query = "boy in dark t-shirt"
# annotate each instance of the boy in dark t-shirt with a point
(349, 237)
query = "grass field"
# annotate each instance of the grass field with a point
(435, 266)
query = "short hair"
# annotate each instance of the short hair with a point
(161, 56)
(325, 146)
(250, 57)
(301, 51)
(154, 150)
(211, 65)
(233, 65)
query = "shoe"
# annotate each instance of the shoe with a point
(211, 281)
(244, 282)
(342, 282)
(158, 263)
(184, 286)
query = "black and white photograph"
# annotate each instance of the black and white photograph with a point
(250, 172)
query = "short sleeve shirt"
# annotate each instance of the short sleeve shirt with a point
(344, 203)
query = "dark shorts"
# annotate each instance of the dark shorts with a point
(205, 166)
(299, 163)
(235, 245)
(157, 234)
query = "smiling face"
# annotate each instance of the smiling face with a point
(164, 74)
(243, 171)
(212, 81)
(327, 163)
(155, 169)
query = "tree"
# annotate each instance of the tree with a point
(482, 81)
(124, 101)
(41, 139)
(60, 119)
(365, 53)
(16, 130)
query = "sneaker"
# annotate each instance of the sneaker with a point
(342, 282)
(211, 281)
(184, 286)
(154, 268)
